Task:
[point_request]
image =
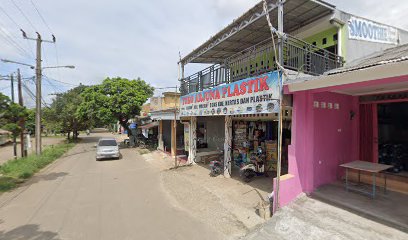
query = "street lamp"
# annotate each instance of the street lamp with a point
(67, 66)
(19, 63)
(32, 67)
(38, 97)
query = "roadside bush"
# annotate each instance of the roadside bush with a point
(15, 171)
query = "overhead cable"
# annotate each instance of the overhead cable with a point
(25, 16)
(41, 16)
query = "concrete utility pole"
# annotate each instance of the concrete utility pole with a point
(280, 59)
(175, 130)
(22, 120)
(38, 96)
(12, 100)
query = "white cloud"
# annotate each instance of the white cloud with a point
(391, 12)
(140, 38)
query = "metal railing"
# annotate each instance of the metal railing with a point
(297, 55)
(208, 78)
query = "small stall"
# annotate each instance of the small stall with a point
(255, 136)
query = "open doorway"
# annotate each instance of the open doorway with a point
(393, 136)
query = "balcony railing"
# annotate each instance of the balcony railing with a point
(297, 55)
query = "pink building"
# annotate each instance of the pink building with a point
(339, 117)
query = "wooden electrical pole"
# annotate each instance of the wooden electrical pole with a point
(22, 120)
(12, 100)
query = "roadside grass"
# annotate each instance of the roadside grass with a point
(17, 171)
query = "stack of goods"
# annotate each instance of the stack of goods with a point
(271, 154)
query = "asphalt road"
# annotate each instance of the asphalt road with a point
(80, 198)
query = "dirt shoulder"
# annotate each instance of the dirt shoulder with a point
(227, 205)
(6, 151)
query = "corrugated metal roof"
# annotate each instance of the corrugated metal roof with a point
(252, 28)
(390, 55)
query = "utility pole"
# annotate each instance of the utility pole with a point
(12, 100)
(38, 96)
(22, 120)
(175, 130)
(281, 78)
(12, 87)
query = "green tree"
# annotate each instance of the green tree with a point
(62, 115)
(10, 115)
(4, 105)
(30, 121)
(116, 99)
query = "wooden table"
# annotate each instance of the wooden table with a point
(373, 168)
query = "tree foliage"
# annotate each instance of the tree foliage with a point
(62, 114)
(116, 99)
(11, 114)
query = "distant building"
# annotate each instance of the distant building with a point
(164, 109)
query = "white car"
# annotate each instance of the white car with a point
(107, 148)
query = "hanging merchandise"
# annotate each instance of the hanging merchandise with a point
(145, 133)
(240, 143)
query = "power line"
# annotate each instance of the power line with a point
(9, 39)
(11, 19)
(22, 13)
(2, 89)
(18, 27)
(32, 95)
(55, 87)
(49, 28)
(75, 85)
(51, 31)
(41, 16)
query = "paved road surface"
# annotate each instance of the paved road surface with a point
(80, 198)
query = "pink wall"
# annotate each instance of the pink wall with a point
(322, 139)
(333, 137)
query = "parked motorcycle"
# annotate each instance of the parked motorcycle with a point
(216, 168)
(255, 168)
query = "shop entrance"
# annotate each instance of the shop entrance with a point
(384, 139)
(393, 136)
(254, 138)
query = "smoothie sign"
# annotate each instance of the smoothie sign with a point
(361, 29)
(249, 96)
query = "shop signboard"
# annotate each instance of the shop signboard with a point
(253, 95)
(362, 29)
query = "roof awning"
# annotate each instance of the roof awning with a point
(167, 114)
(149, 125)
(252, 28)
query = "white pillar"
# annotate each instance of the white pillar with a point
(227, 146)
(160, 137)
(193, 140)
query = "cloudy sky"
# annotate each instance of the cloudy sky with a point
(130, 38)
